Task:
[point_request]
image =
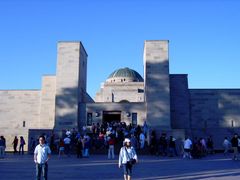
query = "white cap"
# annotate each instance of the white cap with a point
(127, 140)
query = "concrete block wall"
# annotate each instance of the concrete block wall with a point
(47, 103)
(70, 84)
(229, 108)
(212, 108)
(204, 108)
(156, 87)
(214, 112)
(179, 96)
(130, 91)
(18, 107)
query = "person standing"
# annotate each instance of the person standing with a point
(41, 156)
(2, 146)
(163, 145)
(15, 143)
(126, 155)
(226, 145)
(111, 143)
(32, 145)
(21, 147)
(61, 148)
(67, 142)
(210, 144)
(79, 147)
(234, 142)
(187, 148)
(142, 140)
(171, 147)
(86, 146)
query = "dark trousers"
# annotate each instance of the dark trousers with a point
(21, 149)
(41, 169)
(67, 149)
(79, 153)
(15, 148)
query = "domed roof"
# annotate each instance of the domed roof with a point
(125, 75)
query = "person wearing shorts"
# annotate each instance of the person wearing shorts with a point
(127, 153)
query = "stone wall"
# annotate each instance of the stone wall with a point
(47, 103)
(19, 111)
(70, 84)
(179, 96)
(212, 108)
(156, 87)
(214, 112)
(116, 92)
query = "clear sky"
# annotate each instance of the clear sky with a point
(204, 38)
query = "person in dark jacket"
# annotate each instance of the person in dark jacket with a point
(15, 144)
(171, 146)
(79, 147)
(2, 146)
(234, 142)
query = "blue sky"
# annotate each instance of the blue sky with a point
(204, 38)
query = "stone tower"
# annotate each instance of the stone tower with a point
(71, 79)
(156, 84)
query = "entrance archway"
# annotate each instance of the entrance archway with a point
(111, 116)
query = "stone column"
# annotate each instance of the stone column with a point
(156, 84)
(70, 85)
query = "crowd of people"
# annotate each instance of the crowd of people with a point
(116, 137)
(15, 143)
(108, 138)
(99, 138)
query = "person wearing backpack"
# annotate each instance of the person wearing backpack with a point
(127, 158)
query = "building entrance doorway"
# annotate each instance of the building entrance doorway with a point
(111, 116)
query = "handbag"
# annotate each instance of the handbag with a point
(132, 161)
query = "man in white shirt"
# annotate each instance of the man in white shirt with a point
(41, 156)
(187, 148)
(67, 142)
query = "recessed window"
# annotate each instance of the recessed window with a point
(24, 123)
(232, 123)
(134, 119)
(89, 119)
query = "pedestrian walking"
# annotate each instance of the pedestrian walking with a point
(2, 146)
(127, 157)
(142, 140)
(187, 148)
(67, 142)
(234, 142)
(41, 156)
(226, 146)
(15, 144)
(111, 143)
(61, 148)
(79, 147)
(21, 146)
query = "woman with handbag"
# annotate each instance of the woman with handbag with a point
(127, 158)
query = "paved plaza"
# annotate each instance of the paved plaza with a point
(213, 167)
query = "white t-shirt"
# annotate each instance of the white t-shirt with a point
(187, 144)
(226, 143)
(42, 152)
(67, 140)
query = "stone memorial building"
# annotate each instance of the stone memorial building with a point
(161, 99)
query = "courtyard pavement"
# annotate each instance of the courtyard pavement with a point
(214, 167)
